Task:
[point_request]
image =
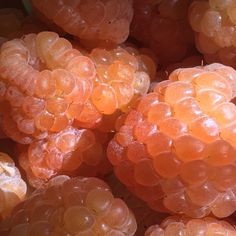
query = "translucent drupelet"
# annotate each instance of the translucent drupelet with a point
(43, 81)
(12, 187)
(214, 24)
(176, 148)
(208, 226)
(95, 21)
(46, 85)
(76, 152)
(76, 206)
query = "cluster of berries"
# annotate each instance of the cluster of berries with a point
(99, 93)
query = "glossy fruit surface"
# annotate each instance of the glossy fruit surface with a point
(76, 206)
(176, 148)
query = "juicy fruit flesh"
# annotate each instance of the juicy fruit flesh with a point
(40, 85)
(51, 95)
(120, 77)
(214, 23)
(12, 187)
(145, 216)
(83, 206)
(90, 20)
(176, 226)
(173, 148)
(183, 134)
(46, 84)
(76, 152)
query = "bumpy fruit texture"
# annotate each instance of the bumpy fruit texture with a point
(191, 227)
(77, 206)
(144, 215)
(99, 20)
(176, 149)
(72, 151)
(214, 22)
(12, 187)
(147, 59)
(122, 75)
(44, 84)
(163, 26)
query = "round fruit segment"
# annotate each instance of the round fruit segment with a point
(76, 206)
(12, 187)
(76, 152)
(214, 22)
(173, 226)
(145, 216)
(46, 85)
(39, 85)
(99, 20)
(174, 143)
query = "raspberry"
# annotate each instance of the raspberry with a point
(178, 143)
(71, 151)
(163, 26)
(56, 85)
(145, 216)
(90, 20)
(121, 77)
(12, 187)
(44, 82)
(173, 226)
(214, 23)
(77, 206)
